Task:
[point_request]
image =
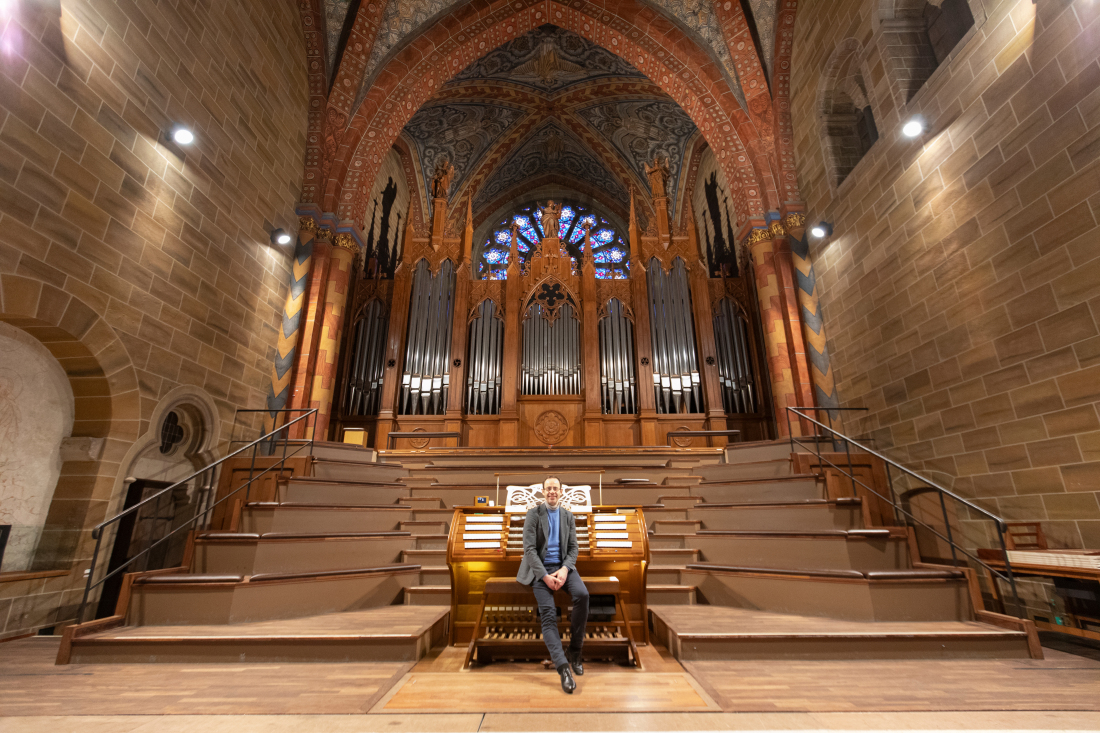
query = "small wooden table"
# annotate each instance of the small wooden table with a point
(519, 634)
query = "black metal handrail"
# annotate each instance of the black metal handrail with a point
(97, 531)
(998, 522)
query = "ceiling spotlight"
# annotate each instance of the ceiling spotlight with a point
(821, 229)
(280, 236)
(913, 127)
(182, 136)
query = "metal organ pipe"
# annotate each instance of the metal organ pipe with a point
(365, 373)
(426, 379)
(551, 353)
(483, 361)
(617, 381)
(676, 381)
(734, 359)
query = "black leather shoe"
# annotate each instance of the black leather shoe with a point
(567, 682)
(575, 662)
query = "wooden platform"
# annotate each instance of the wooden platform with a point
(718, 632)
(386, 634)
(438, 684)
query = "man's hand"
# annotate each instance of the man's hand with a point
(561, 575)
(553, 581)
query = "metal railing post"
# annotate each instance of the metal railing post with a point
(947, 523)
(790, 434)
(1008, 571)
(893, 496)
(98, 534)
(851, 474)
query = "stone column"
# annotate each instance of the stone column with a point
(311, 328)
(328, 352)
(282, 371)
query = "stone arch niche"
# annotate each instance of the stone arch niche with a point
(658, 49)
(845, 116)
(106, 421)
(917, 36)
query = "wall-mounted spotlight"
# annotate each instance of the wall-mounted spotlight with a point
(913, 127)
(182, 135)
(821, 230)
(280, 236)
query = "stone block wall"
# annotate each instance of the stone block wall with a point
(141, 265)
(961, 286)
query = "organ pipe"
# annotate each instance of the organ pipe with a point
(551, 353)
(483, 361)
(731, 336)
(676, 382)
(617, 382)
(426, 379)
(365, 374)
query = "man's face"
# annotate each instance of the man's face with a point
(551, 489)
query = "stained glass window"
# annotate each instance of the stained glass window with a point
(610, 251)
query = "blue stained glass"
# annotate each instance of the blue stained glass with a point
(604, 236)
(604, 275)
(504, 237)
(600, 257)
(522, 247)
(616, 255)
(577, 236)
(531, 234)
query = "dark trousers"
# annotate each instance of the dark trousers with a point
(548, 613)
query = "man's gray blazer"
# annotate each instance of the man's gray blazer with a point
(536, 530)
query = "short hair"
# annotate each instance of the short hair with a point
(548, 478)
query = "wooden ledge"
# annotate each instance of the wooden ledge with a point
(187, 579)
(386, 569)
(14, 577)
(350, 482)
(844, 501)
(852, 574)
(303, 505)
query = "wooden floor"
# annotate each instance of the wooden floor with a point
(766, 694)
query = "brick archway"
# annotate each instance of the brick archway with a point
(106, 406)
(629, 29)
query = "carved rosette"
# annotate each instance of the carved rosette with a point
(419, 443)
(551, 427)
(681, 441)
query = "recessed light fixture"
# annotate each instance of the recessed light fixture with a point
(182, 136)
(821, 230)
(280, 236)
(913, 127)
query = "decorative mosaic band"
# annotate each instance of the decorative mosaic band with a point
(817, 349)
(282, 368)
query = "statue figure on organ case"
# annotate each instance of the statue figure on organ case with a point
(441, 179)
(551, 213)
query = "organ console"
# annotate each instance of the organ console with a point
(486, 546)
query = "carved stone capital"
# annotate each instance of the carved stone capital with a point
(307, 223)
(757, 235)
(343, 240)
(777, 230)
(324, 235)
(794, 220)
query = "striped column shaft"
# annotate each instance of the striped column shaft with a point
(813, 323)
(328, 352)
(282, 369)
(773, 318)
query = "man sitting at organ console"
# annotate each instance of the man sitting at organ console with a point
(549, 563)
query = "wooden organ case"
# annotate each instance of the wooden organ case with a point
(487, 542)
(702, 367)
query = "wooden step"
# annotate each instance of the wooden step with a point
(672, 556)
(424, 526)
(663, 575)
(755, 452)
(802, 515)
(677, 526)
(774, 468)
(344, 470)
(705, 633)
(827, 549)
(670, 594)
(301, 490)
(292, 552)
(428, 595)
(840, 594)
(386, 634)
(262, 517)
(744, 491)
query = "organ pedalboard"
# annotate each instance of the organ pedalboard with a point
(487, 543)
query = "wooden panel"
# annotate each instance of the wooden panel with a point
(871, 471)
(531, 407)
(235, 473)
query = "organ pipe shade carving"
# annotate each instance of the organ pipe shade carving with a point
(364, 389)
(617, 384)
(676, 385)
(426, 378)
(551, 352)
(484, 358)
(731, 338)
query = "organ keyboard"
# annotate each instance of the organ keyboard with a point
(487, 542)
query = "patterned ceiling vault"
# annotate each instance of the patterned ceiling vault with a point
(460, 133)
(550, 149)
(698, 19)
(335, 12)
(764, 13)
(642, 130)
(548, 59)
(399, 20)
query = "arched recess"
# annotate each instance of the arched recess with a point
(846, 123)
(633, 31)
(107, 416)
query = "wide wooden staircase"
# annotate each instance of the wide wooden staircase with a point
(748, 560)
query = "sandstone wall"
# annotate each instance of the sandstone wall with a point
(961, 287)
